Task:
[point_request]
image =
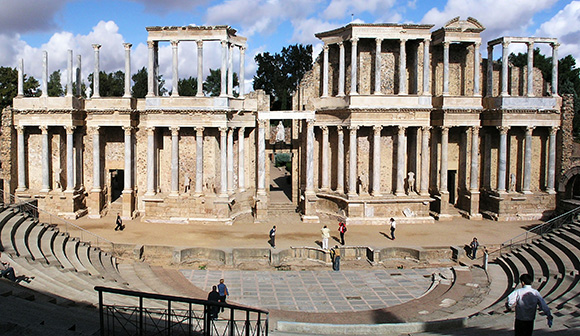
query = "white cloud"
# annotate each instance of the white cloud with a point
(24, 16)
(167, 6)
(340, 8)
(304, 30)
(560, 26)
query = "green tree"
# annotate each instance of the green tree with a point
(54, 86)
(187, 86)
(9, 86)
(110, 84)
(279, 74)
(140, 81)
(212, 84)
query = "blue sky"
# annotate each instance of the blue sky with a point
(27, 27)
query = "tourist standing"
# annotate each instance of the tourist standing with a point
(335, 255)
(526, 299)
(273, 236)
(342, 230)
(119, 223)
(325, 232)
(213, 296)
(223, 291)
(474, 245)
(393, 228)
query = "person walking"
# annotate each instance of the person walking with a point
(393, 228)
(474, 245)
(273, 236)
(213, 296)
(223, 291)
(342, 230)
(325, 232)
(335, 255)
(119, 223)
(526, 299)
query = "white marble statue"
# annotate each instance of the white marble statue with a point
(187, 184)
(280, 133)
(88, 91)
(410, 182)
(364, 183)
(512, 182)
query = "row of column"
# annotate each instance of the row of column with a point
(403, 90)
(476, 70)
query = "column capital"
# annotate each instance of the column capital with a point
(70, 129)
(530, 129)
(444, 130)
(445, 44)
(262, 123)
(353, 128)
(426, 128)
(490, 49)
(174, 43)
(339, 129)
(477, 44)
(377, 129)
(427, 41)
(354, 40)
(150, 130)
(325, 48)
(175, 130)
(19, 129)
(340, 44)
(96, 47)
(199, 129)
(402, 41)
(379, 41)
(150, 44)
(555, 45)
(530, 44)
(243, 48)
(224, 43)
(43, 129)
(401, 129)
(505, 44)
(223, 130)
(128, 130)
(475, 130)
(199, 44)
(554, 130)
(127, 46)
(93, 130)
(503, 129)
(309, 122)
(324, 129)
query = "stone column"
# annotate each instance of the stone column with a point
(223, 162)
(476, 70)
(474, 178)
(424, 189)
(555, 68)
(128, 187)
(96, 92)
(401, 155)
(21, 78)
(78, 76)
(96, 159)
(21, 159)
(353, 67)
(199, 68)
(377, 160)
(444, 153)
(230, 70)
(325, 71)
(241, 157)
(223, 83)
(45, 160)
(325, 159)
(242, 70)
(174, 161)
(199, 160)
(403, 68)
(446, 68)
(262, 158)
(310, 156)
(552, 161)
(340, 161)
(528, 160)
(70, 164)
(378, 58)
(352, 152)
(501, 172)
(175, 68)
(44, 74)
(127, 93)
(504, 68)
(150, 161)
(489, 71)
(150, 69)
(69, 75)
(230, 159)
(426, 61)
(341, 69)
(530, 69)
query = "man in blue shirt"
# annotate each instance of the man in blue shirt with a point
(526, 299)
(223, 290)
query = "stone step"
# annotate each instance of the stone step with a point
(83, 255)
(34, 242)
(7, 233)
(21, 238)
(133, 280)
(540, 279)
(5, 216)
(46, 241)
(562, 262)
(71, 247)
(145, 272)
(548, 266)
(59, 251)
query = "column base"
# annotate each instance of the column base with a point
(21, 189)
(95, 203)
(551, 191)
(527, 192)
(128, 204)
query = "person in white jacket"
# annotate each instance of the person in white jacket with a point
(526, 300)
(325, 231)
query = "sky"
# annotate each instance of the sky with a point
(29, 27)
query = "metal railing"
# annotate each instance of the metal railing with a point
(30, 207)
(537, 231)
(157, 314)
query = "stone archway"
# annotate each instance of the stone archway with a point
(569, 184)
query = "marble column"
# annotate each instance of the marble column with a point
(444, 159)
(241, 159)
(340, 161)
(96, 89)
(78, 76)
(128, 173)
(199, 68)
(502, 167)
(198, 160)
(555, 68)
(310, 156)
(70, 164)
(530, 69)
(45, 74)
(241, 76)
(403, 68)
(426, 68)
(223, 162)
(150, 69)
(401, 155)
(325, 159)
(174, 161)
(21, 78)
(127, 93)
(489, 71)
(476, 70)
(424, 189)
(352, 169)
(175, 68)
(230, 160)
(45, 160)
(353, 67)
(552, 161)
(96, 159)
(474, 178)
(377, 160)
(150, 161)
(69, 75)
(528, 160)
(378, 58)
(21, 159)
(325, 71)
(446, 68)
(230, 70)
(262, 157)
(504, 68)
(341, 69)
(223, 71)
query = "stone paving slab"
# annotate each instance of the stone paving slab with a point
(318, 291)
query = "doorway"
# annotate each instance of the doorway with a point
(451, 185)
(117, 183)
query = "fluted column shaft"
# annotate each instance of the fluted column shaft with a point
(377, 160)
(504, 68)
(444, 158)
(230, 70)
(242, 71)
(474, 178)
(530, 69)
(325, 71)
(78, 76)
(21, 159)
(325, 159)
(150, 160)
(340, 161)
(128, 183)
(96, 87)
(198, 160)
(552, 160)
(44, 74)
(21, 78)
(262, 157)
(341, 69)
(476, 70)
(352, 151)
(403, 68)
(199, 68)
(446, 68)
(69, 75)
(45, 159)
(174, 160)
(175, 68)
(70, 170)
(501, 172)
(528, 160)
(241, 160)
(353, 67)
(426, 62)
(424, 189)
(127, 93)
(223, 161)
(378, 59)
(230, 160)
(489, 71)
(310, 156)
(96, 159)
(223, 72)
(555, 69)
(401, 155)
(151, 69)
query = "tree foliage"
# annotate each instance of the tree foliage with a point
(110, 84)
(187, 86)
(140, 79)
(54, 86)
(9, 86)
(213, 82)
(279, 74)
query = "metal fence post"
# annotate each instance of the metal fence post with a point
(141, 315)
(101, 314)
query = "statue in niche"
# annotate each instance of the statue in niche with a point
(57, 180)
(512, 182)
(363, 181)
(411, 182)
(88, 92)
(187, 184)
(280, 133)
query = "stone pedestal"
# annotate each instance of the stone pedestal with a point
(95, 203)
(128, 204)
(310, 214)
(444, 207)
(260, 207)
(474, 205)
